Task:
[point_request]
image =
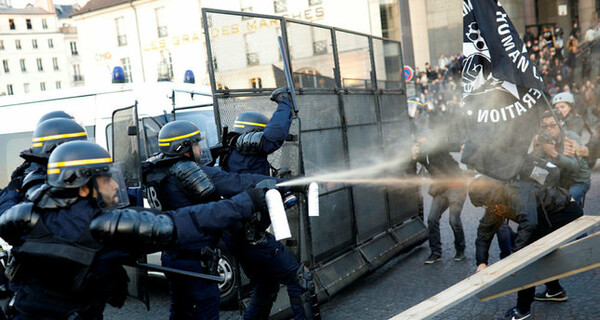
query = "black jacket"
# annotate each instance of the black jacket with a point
(523, 202)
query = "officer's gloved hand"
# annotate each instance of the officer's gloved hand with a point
(280, 94)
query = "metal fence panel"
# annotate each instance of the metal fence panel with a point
(311, 53)
(355, 60)
(245, 52)
(388, 64)
(359, 108)
(332, 231)
(320, 111)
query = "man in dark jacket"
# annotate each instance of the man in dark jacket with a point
(448, 189)
(537, 209)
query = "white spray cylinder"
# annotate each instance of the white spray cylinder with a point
(313, 199)
(279, 221)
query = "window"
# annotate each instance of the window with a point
(252, 57)
(11, 24)
(44, 24)
(18, 44)
(280, 5)
(256, 83)
(23, 66)
(165, 66)
(34, 43)
(55, 63)
(126, 64)
(42, 86)
(77, 73)
(9, 89)
(160, 22)
(26, 87)
(50, 44)
(58, 85)
(28, 23)
(40, 65)
(74, 48)
(121, 36)
(5, 65)
(1, 44)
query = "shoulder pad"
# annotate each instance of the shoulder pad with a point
(193, 179)
(250, 143)
(33, 178)
(18, 221)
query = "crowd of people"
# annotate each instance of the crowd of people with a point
(566, 147)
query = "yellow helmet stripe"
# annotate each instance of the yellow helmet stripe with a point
(53, 171)
(164, 144)
(37, 144)
(59, 136)
(239, 126)
(180, 137)
(416, 102)
(79, 162)
(250, 123)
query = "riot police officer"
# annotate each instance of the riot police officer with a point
(76, 229)
(174, 179)
(266, 261)
(53, 129)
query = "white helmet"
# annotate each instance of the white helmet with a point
(563, 97)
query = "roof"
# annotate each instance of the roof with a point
(29, 10)
(94, 5)
(64, 11)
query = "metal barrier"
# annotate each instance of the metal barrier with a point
(352, 113)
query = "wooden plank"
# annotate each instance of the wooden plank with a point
(497, 271)
(570, 259)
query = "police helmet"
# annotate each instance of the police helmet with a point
(177, 137)
(250, 121)
(78, 163)
(53, 132)
(564, 97)
(55, 114)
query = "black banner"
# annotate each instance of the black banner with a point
(502, 91)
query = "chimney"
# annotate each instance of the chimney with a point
(45, 5)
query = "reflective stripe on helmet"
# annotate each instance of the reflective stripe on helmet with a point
(37, 144)
(79, 162)
(179, 137)
(248, 123)
(59, 136)
(53, 171)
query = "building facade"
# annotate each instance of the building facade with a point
(156, 40)
(34, 50)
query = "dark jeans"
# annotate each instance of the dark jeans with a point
(578, 192)
(506, 238)
(452, 199)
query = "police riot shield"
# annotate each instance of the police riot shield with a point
(352, 119)
(126, 151)
(126, 144)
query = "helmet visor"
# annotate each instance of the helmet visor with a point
(201, 151)
(110, 189)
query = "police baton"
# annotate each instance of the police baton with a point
(154, 267)
(288, 75)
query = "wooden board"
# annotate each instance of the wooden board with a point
(497, 271)
(570, 259)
